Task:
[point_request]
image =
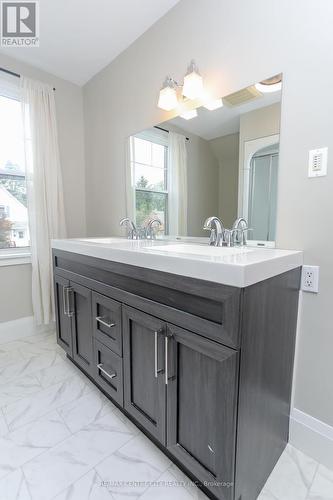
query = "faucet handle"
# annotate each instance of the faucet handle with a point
(131, 232)
(240, 237)
(150, 233)
(212, 235)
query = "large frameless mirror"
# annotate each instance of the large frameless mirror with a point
(221, 162)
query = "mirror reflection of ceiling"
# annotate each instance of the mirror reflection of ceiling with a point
(225, 120)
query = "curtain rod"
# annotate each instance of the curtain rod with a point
(165, 130)
(17, 75)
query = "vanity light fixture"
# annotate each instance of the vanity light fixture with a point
(273, 84)
(189, 114)
(213, 104)
(192, 88)
(193, 83)
(168, 95)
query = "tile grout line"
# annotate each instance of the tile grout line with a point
(26, 482)
(312, 481)
(101, 479)
(27, 361)
(5, 421)
(43, 414)
(64, 422)
(48, 449)
(93, 467)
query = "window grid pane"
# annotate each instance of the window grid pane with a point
(149, 164)
(14, 230)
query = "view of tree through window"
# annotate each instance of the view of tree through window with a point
(149, 163)
(14, 231)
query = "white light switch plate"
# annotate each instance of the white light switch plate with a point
(310, 279)
(318, 162)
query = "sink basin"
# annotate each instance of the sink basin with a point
(103, 241)
(186, 248)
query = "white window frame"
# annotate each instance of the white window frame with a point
(160, 137)
(10, 88)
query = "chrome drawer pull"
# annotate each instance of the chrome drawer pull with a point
(103, 322)
(110, 375)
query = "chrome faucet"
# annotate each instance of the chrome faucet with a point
(132, 233)
(221, 236)
(217, 231)
(150, 233)
(239, 229)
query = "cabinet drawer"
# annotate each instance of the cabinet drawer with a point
(108, 371)
(107, 322)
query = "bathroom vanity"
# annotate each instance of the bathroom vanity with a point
(194, 344)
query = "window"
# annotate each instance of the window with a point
(149, 159)
(14, 230)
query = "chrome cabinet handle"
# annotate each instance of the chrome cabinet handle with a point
(69, 290)
(103, 322)
(65, 298)
(156, 369)
(110, 375)
(166, 339)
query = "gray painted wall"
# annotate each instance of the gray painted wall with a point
(226, 150)
(235, 43)
(16, 280)
(15, 292)
(203, 176)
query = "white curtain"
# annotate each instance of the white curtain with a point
(44, 190)
(130, 184)
(177, 168)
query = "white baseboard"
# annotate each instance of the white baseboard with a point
(21, 328)
(313, 437)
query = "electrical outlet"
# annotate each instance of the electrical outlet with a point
(310, 279)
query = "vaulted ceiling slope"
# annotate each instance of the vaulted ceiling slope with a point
(80, 37)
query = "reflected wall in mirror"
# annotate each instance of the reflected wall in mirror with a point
(222, 162)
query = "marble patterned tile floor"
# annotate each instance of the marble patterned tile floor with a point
(61, 439)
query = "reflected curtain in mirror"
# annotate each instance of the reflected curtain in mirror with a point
(177, 164)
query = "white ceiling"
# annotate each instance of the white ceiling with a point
(80, 37)
(222, 121)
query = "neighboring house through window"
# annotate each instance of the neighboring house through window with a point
(14, 231)
(149, 163)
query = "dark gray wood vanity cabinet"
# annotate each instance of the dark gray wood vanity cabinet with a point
(204, 369)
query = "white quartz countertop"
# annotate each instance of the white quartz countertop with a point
(238, 267)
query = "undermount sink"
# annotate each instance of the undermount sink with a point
(186, 248)
(103, 241)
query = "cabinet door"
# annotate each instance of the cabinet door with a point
(63, 320)
(80, 308)
(144, 386)
(201, 403)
